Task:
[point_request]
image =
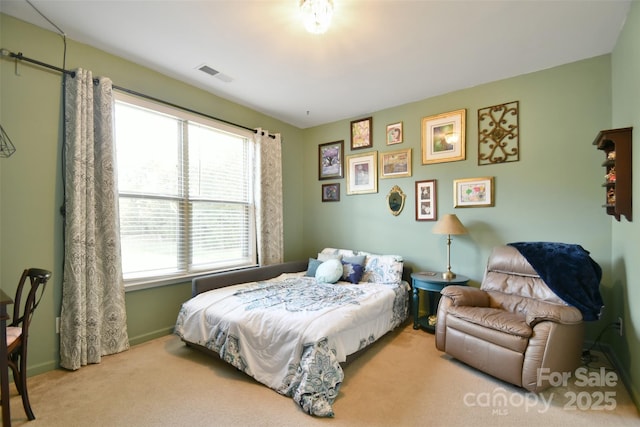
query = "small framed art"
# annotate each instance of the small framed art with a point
(362, 173)
(395, 164)
(361, 133)
(443, 137)
(426, 209)
(394, 133)
(473, 192)
(331, 160)
(331, 192)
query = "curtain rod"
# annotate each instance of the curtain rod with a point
(19, 56)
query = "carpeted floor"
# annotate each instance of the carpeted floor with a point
(402, 380)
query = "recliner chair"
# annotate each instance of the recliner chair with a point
(513, 326)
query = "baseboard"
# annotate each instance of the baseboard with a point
(624, 375)
(41, 368)
(150, 336)
(51, 365)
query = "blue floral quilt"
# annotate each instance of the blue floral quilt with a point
(292, 333)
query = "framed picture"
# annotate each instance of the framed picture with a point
(395, 164)
(426, 208)
(394, 133)
(361, 133)
(473, 192)
(443, 138)
(331, 160)
(362, 173)
(331, 192)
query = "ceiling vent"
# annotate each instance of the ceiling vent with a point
(215, 73)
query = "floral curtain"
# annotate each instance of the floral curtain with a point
(93, 317)
(269, 217)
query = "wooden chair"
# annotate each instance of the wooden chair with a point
(18, 329)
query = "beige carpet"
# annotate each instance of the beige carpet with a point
(401, 381)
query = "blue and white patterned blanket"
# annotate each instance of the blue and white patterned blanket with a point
(292, 333)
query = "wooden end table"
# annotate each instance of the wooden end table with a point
(432, 283)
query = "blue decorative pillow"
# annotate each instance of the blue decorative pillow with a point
(352, 272)
(312, 267)
(329, 271)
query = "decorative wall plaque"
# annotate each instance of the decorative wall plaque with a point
(498, 134)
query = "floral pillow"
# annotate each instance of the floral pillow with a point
(326, 257)
(377, 268)
(383, 269)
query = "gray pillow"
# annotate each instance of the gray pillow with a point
(357, 259)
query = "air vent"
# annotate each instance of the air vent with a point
(215, 73)
(209, 70)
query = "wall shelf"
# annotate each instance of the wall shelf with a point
(616, 144)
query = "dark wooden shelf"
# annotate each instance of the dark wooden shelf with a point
(617, 141)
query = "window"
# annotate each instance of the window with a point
(185, 193)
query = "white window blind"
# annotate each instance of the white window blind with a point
(185, 193)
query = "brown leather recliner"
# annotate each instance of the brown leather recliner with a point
(512, 326)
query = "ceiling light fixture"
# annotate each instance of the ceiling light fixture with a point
(316, 15)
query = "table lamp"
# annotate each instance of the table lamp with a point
(449, 224)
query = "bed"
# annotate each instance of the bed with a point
(289, 328)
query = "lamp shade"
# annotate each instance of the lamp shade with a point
(449, 224)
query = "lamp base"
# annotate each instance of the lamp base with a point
(448, 275)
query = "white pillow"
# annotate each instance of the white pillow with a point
(329, 271)
(327, 257)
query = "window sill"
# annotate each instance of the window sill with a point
(138, 285)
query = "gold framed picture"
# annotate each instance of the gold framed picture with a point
(473, 192)
(395, 164)
(362, 173)
(443, 137)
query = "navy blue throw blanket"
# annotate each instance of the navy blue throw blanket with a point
(569, 271)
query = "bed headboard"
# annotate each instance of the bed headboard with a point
(253, 274)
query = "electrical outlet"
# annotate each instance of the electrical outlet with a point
(620, 325)
(57, 325)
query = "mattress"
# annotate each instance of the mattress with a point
(291, 333)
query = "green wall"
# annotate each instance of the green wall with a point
(625, 236)
(552, 193)
(31, 185)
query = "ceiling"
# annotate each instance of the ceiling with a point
(377, 53)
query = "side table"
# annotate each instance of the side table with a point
(433, 283)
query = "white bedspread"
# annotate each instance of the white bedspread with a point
(291, 333)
